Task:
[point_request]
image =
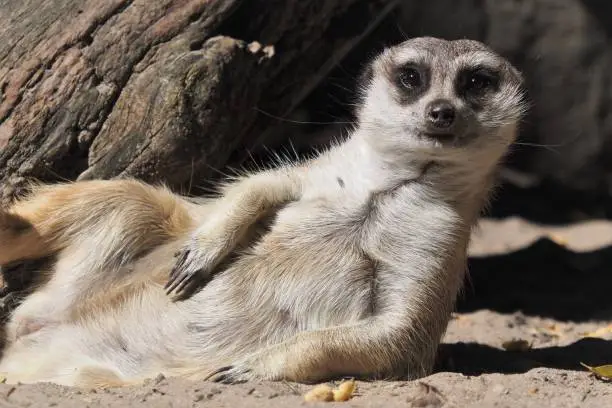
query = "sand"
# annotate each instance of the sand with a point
(547, 286)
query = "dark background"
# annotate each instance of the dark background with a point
(563, 48)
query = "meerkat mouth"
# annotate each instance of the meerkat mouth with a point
(443, 137)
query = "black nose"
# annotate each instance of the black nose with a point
(441, 114)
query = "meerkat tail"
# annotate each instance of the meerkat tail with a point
(52, 217)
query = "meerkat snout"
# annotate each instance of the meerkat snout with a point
(440, 115)
(430, 94)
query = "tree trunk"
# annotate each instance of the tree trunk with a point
(164, 90)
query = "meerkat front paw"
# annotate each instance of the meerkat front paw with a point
(271, 364)
(193, 268)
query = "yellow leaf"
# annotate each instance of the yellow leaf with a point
(604, 371)
(558, 239)
(602, 331)
(321, 392)
(345, 390)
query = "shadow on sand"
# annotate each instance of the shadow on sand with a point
(476, 359)
(543, 279)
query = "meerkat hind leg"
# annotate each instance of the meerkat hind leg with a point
(363, 349)
(96, 228)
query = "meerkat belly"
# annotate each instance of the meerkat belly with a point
(305, 273)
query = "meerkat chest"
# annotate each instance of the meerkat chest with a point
(323, 208)
(319, 260)
(412, 231)
(309, 264)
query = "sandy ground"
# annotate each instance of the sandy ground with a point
(547, 286)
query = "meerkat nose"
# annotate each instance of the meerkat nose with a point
(441, 114)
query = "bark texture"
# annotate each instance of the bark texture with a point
(165, 90)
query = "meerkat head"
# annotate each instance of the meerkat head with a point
(442, 100)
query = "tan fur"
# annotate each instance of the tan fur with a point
(95, 377)
(345, 264)
(53, 211)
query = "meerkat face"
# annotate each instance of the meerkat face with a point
(430, 94)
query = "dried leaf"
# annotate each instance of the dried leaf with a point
(321, 392)
(601, 332)
(516, 345)
(345, 391)
(603, 371)
(558, 239)
(325, 393)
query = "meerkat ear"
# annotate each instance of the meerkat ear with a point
(364, 79)
(516, 74)
(519, 81)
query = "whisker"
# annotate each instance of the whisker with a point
(56, 174)
(300, 122)
(550, 148)
(220, 172)
(191, 174)
(401, 31)
(338, 85)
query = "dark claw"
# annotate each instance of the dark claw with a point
(180, 280)
(178, 265)
(185, 277)
(176, 282)
(217, 371)
(223, 379)
(222, 375)
(190, 286)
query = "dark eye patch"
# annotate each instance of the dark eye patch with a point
(411, 80)
(474, 84)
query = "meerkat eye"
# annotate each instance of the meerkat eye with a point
(478, 81)
(410, 78)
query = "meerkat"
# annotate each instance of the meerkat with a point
(355, 273)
